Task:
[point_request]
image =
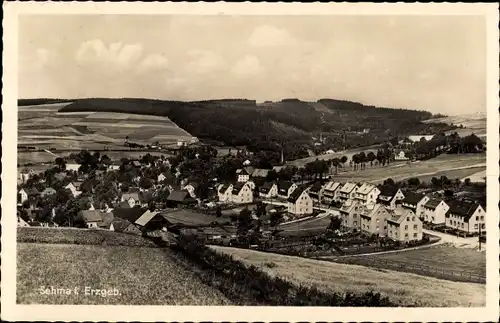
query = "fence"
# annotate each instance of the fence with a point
(455, 275)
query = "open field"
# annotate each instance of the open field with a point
(348, 153)
(472, 123)
(141, 276)
(443, 261)
(402, 288)
(476, 177)
(456, 173)
(44, 126)
(431, 167)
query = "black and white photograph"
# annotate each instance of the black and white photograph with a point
(252, 160)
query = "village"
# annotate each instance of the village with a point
(226, 200)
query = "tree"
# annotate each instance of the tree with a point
(389, 182)
(467, 181)
(218, 211)
(260, 209)
(414, 181)
(244, 221)
(362, 159)
(145, 183)
(61, 163)
(343, 159)
(271, 176)
(275, 219)
(335, 223)
(370, 157)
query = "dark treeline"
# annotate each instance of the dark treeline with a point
(288, 125)
(24, 102)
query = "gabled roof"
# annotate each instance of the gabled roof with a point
(145, 218)
(244, 171)
(284, 185)
(128, 195)
(266, 187)
(296, 194)
(464, 209)
(349, 205)
(91, 215)
(413, 198)
(398, 215)
(223, 188)
(332, 186)
(371, 209)
(178, 196)
(124, 205)
(129, 214)
(316, 188)
(388, 190)
(120, 224)
(432, 203)
(238, 187)
(348, 187)
(107, 219)
(259, 172)
(365, 188)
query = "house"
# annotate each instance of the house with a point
(136, 164)
(150, 221)
(242, 193)
(74, 187)
(73, 167)
(286, 188)
(132, 198)
(268, 190)
(367, 194)
(92, 219)
(49, 191)
(26, 174)
(400, 155)
(129, 214)
(123, 205)
(466, 216)
(124, 226)
(404, 225)
(107, 221)
(415, 202)
(373, 219)
(60, 176)
(22, 196)
(179, 197)
(191, 188)
(244, 174)
(21, 223)
(114, 165)
(315, 191)
(330, 191)
(350, 214)
(299, 202)
(347, 191)
(247, 163)
(225, 192)
(390, 196)
(435, 211)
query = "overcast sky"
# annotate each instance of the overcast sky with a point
(434, 63)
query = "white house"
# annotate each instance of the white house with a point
(244, 174)
(91, 218)
(286, 188)
(72, 166)
(247, 163)
(26, 174)
(466, 216)
(242, 193)
(224, 192)
(348, 191)
(390, 196)
(435, 211)
(415, 202)
(74, 187)
(404, 225)
(22, 196)
(300, 203)
(330, 191)
(268, 190)
(132, 198)
(367, 194)
(401, 155)
(21, 223)
(191, 188)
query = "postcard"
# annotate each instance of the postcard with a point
(265, 161)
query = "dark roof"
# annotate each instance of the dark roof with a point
(120, 224)
(464, 208)
(388, 190)
(91, 215)
(316, 187)
(413, 198)
(296, 194)
(266, 187)
(284, 185)
(238, 187)
(129, 214)
(124, 205)
(432, 203)
(224, 188)
(178, 196)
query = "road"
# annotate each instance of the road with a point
(458, 242)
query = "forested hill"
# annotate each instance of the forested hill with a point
(290, 122)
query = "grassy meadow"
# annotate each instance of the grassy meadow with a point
(142, 276)
(402, 288)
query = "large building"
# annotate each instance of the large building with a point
(347, 191)
(390, 196)
(286, 188)
(268, 190)
(404, 225)
(466, 216)
(224, 192)
(242, 193)
(300, 203)
(415, 202)
(373, 219)
(350, 214)
(330, 192)
(435, 211)
(367, 194)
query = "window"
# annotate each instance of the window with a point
(413, 218)
(477, 218)
(406, 235)
(462, 225)
(406, 227)
(408, 218)
(377, 220)
(415, 235)
(415, 227)
(475, 226)
(355, 223)
(482, 226)
(377, 228)
(433, 219)
(482, 217)
(479, 211)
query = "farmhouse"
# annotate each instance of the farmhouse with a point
(315, 191)
(150, 221)
(330, 191)
(400, 155)
(390, 196)
(92, 219)
(466, 216)
(373, 219)
(129, 214)
(224, 192)
(435, 211)
(260, 173)
(244, 174)
(22, 196)
(191, 188)
(404, 225)
(132, 198)
(179, 197)
(367, 194)
(347, 191)
(242, 193)
(350, 213)
(49, 191)
(124, 226)
(299, 202)
(286, 188)
(268, 190)
(107, 221)
(415, 202)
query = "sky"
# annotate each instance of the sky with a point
(433, 63)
